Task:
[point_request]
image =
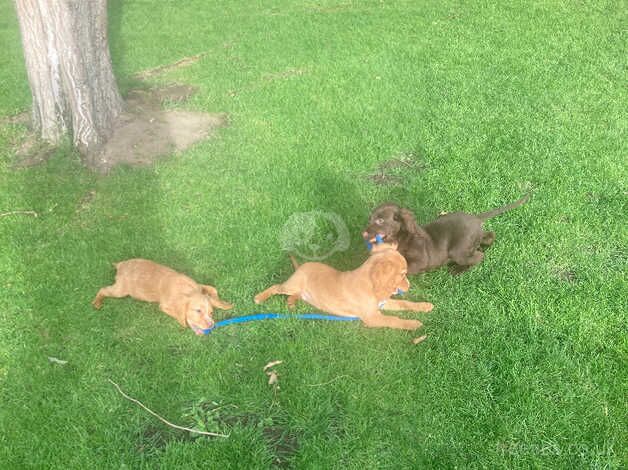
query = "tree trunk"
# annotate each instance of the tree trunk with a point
(69, 70)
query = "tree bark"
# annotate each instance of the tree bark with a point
(69, 71)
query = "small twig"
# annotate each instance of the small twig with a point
(182, 428)
(33, 213)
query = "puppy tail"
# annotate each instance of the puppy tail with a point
(501, 210)
(295, 264)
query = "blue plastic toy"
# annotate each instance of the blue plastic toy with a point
(378, 240)
(271, 316)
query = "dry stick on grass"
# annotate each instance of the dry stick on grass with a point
(182, 428)
(33, 213)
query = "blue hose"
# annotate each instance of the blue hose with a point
(271, 316)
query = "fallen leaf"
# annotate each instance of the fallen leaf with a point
(273, 378)
(271, 364)
(419, 339)
(57, 361)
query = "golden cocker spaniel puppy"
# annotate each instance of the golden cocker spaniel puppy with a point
(362, 293)
(178, 295)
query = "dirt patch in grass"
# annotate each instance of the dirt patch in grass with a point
(146, 131)
(22, 118)
(155, 438)
(32, 151)
(143, 133)
(282, 441)
(394, 171)
(567, 275)
(86, 201)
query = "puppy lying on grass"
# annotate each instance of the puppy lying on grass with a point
(455, 237)
(362, 293)
(178, 295)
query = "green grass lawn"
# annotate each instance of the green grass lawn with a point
(525, 360)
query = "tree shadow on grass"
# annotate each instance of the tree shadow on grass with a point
(61, 258)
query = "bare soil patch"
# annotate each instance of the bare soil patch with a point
(394, 171)
(22, 118)
(32, 151)
(143, 133)
(146, 131)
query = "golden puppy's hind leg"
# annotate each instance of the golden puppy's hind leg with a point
(283, 289)
(110, 291)
(264, 295)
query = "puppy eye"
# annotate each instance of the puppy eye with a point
(379, 221)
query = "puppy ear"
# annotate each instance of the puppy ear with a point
(216, 302)
(408, 221)
(209, 290)
(383, 275)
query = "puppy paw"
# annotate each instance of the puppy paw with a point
(412, 324)
(425, 307)
(97, 303)
(292, 301)
(457, 269)
(258, 299)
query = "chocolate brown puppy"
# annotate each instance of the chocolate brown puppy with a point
(457, 238)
